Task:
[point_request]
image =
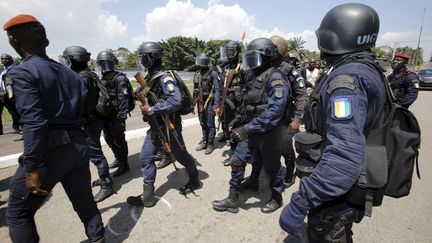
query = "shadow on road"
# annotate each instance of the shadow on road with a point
(122, 223)
(134, 172)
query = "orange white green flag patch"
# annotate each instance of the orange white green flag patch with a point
(342, 107)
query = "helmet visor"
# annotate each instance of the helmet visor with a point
(252, 59)
(230, 52)
(65, 60)
(146, 60)
(140, 60)
(105, 65)
(223, 54)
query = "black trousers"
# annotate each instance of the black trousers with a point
(69, 165)
(10, 106)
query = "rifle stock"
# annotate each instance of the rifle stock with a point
(152, 119)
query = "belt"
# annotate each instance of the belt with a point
(76, 132)
(63, 136)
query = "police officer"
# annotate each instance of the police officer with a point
(50, 99)
(348, 101)
(206, 96)
(297, 104)
(76, 58)
(6, 97)
(231, 87)
(114, 129)
(403, 82)
(163, 109)
(265, 101)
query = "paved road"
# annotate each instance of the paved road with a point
(179, 219)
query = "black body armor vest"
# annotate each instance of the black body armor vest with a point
(206, 82)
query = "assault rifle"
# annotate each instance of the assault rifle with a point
(199, 98)
(163, 138)
(229, 76)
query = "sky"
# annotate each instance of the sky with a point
(108, 24)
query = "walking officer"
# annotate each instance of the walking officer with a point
(265, 104)
(163, 109)
(403, 82)
(50, 100)
(76, 58)
(344, 103)
(206, 95)
(114, 129)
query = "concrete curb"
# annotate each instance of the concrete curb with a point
(11, 160)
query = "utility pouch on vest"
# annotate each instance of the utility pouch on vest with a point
(309, 147)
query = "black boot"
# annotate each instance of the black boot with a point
(146, 199)
(230, 204)
(222, 139)
(250, 183)
(114, 164)
(96, 182)
(201, 145)
(233, 160)
(193, 184)
(101, 240)
(210, 147)
(123, 168)
(274, 203)
(166, 160)
(106, 190)
(159, 155)
(16, 130)
(289, 180)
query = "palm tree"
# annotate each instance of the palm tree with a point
(295, 47)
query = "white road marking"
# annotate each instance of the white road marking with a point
(11, 160)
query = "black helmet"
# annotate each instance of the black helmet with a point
(230, 50)
(148, 52)
(77, 53)
(203, 60)
(106, 61)
(259, 51)
(348, 28)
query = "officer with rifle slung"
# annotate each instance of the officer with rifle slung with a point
(206, 97)
(161, 98)
(232, 88)
(265, 103)
(298, 101)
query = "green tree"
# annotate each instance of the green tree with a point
(180, 52)
(296, 48)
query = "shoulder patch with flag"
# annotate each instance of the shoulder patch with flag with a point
(342, 108)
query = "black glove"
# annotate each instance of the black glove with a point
(240, 134)
(233, 123)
